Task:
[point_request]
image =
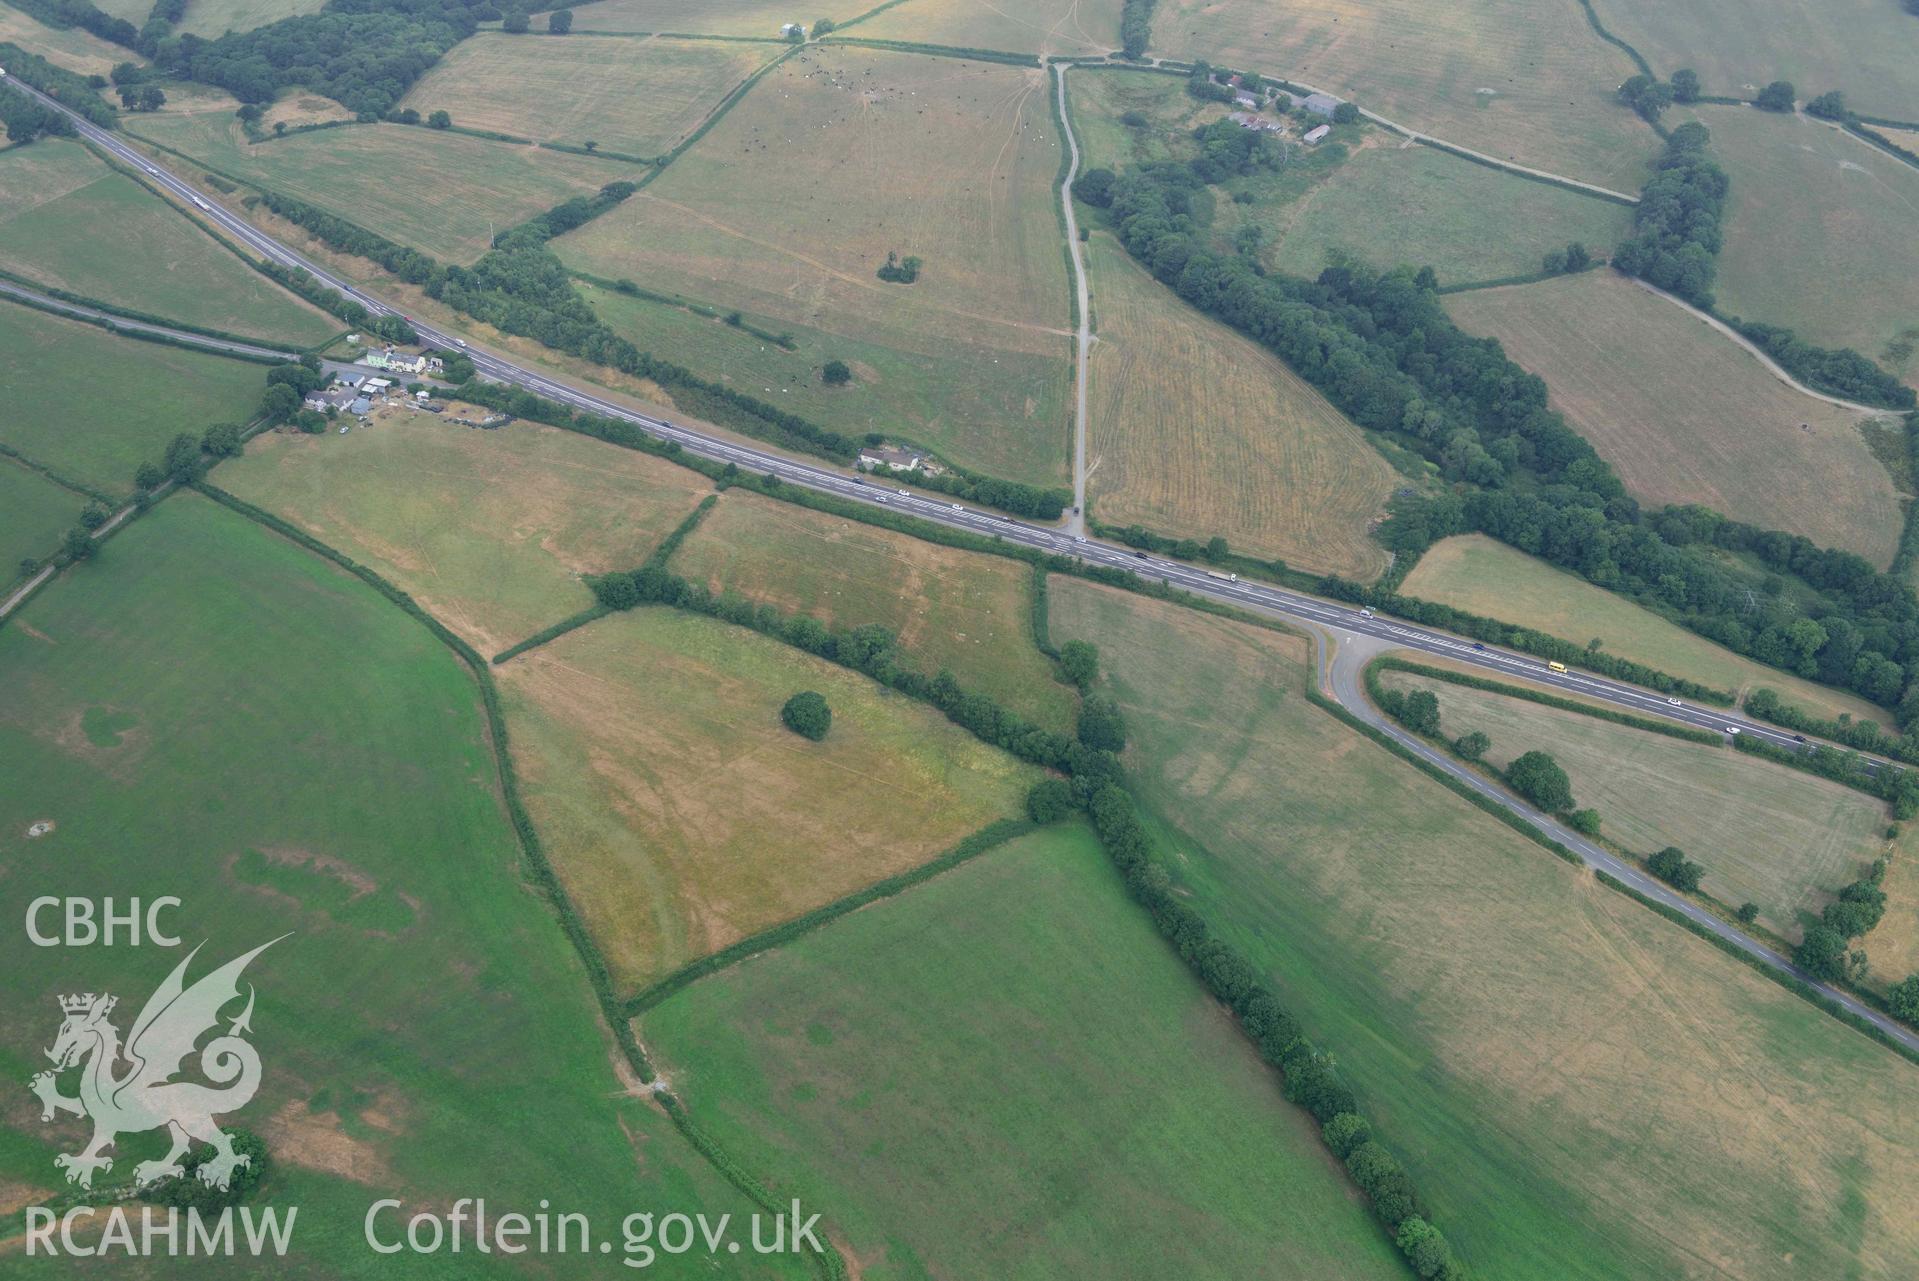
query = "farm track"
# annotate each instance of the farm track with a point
(1076, 519)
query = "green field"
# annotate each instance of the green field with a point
(211, 19)
(1514, 80)
(1006, 1073)
(1063, 28)
(1578, 1087)
(74, 49)
(951, 609)
(1685, 415)
(489, 530)
(209, 712)
(681, 813)
(1466, 221)
(1476, 574)
(1839, 263)
(762, 18)
(68, 221)
(1765, 834)
(636, 96)
(856, 153)
(35, 514)
(1197, 431)
(443, 193)
(94, 407)
(1866, 48)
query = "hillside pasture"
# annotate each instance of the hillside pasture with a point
(1477, 574)
(443, 193)
(855, 153)
(1014, 1032)
(1687, 416)
(1062, 28)
(683, 816)
(491, 531)
(1866, 48)
(71, 222)
(1579, 1088)
(636, 96)
(94, 407)
(1765, 833)
(758, 18)
(210, 712)
(962, 611)
(1466, 221)
(1196, 431)
(72, 48)
(1839, 262)
(211, 19)
(1510, 79)
(35, 514)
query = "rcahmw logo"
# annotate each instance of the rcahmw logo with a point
(132, 1086)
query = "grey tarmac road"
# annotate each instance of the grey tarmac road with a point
(1258, 598)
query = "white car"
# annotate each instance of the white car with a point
(1732, 729)
(150, 169)
(958, 508)
(1673, 702)
(906, 493)
(459, 342)
(1366, 612)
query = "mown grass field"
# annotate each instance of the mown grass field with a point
(761, 18)
(1014, 1033)
(490, 531)
(683, 815)
(1474, 573)
(636, 96)
(68, 221)
(1064, 28)
(439, 192)
(35, 514)
(1197, 431)
(74, 49)
(214, 18)
(1548, 80)
(1738, 46)
(1839, 263)
(1464, 220)
(855, 153)
(951, 609)
(1579, 1088)
(1765, 834)
(94, 407)
(1687, 416)
(209, 712)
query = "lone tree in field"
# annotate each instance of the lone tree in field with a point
(807, 715)
(1538, 777)
(559, 22)
(836, 373)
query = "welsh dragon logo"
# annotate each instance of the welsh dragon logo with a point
(145, 1096)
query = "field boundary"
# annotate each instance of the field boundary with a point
(1599, 29)
(1006, 56)
(58, 478)
(533, 852)
(137, 330)
(990, 837)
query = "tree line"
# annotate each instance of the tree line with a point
(1676, 223)
(26, 119)
(1136, 27)
(72, 91)
(1382, 348)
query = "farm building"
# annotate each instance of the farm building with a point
(1320, 104)
(1317, 132)
(1247, 120)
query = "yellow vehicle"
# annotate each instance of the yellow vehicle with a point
(1556, 666)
